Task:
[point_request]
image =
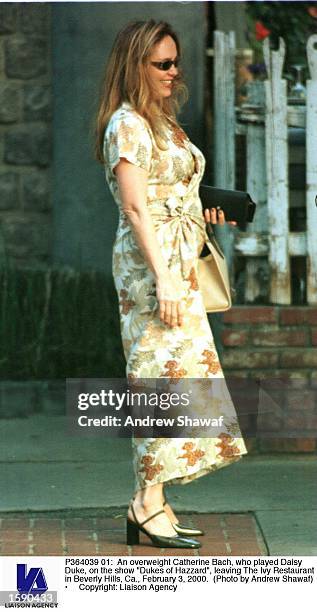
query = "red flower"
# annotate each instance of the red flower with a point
(312, 10)
(261, 31)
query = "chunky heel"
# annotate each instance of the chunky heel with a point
(133, 534)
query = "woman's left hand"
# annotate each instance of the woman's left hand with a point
(211, 216)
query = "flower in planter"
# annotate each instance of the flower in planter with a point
(261, 31)
(312, 10)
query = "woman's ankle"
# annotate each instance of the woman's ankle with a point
(149, 499)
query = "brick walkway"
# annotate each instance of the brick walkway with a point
(93, 534)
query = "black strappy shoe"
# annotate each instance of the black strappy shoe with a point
(134, 528)
(185, 529)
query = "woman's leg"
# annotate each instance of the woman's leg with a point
(146, 502)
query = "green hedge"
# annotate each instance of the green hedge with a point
(57, 324)
(293, 21)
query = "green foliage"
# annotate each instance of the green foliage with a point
(290, 20)
(59, 324)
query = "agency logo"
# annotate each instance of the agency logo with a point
(32, 581)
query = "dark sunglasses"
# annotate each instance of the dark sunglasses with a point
(166, 65)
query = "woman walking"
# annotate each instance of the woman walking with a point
(153, 172)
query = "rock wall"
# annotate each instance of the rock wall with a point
(25, 128)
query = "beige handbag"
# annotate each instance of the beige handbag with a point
(213, 276)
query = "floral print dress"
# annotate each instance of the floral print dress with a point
(152, 349)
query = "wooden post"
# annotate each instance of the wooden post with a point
(224, 127)
(277, 173)
(224, 111)
(311, 171)
(256, 186)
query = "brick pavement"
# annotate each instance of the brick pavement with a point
(75, 534)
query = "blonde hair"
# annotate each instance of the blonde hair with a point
(126, 80)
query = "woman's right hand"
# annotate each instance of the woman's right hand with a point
(170, 293)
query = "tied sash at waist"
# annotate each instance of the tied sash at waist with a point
(183, 208)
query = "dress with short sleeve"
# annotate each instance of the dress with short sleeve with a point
(152, 349)
(127, 136)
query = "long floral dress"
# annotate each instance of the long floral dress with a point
(151, 348)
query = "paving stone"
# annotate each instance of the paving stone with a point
(76, 535)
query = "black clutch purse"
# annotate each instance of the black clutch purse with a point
(237, 205)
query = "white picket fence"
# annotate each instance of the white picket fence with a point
(267, 158)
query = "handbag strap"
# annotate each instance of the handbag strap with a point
(212, 238)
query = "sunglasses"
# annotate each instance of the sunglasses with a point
(166, 65)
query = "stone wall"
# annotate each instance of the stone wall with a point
(25, 128)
